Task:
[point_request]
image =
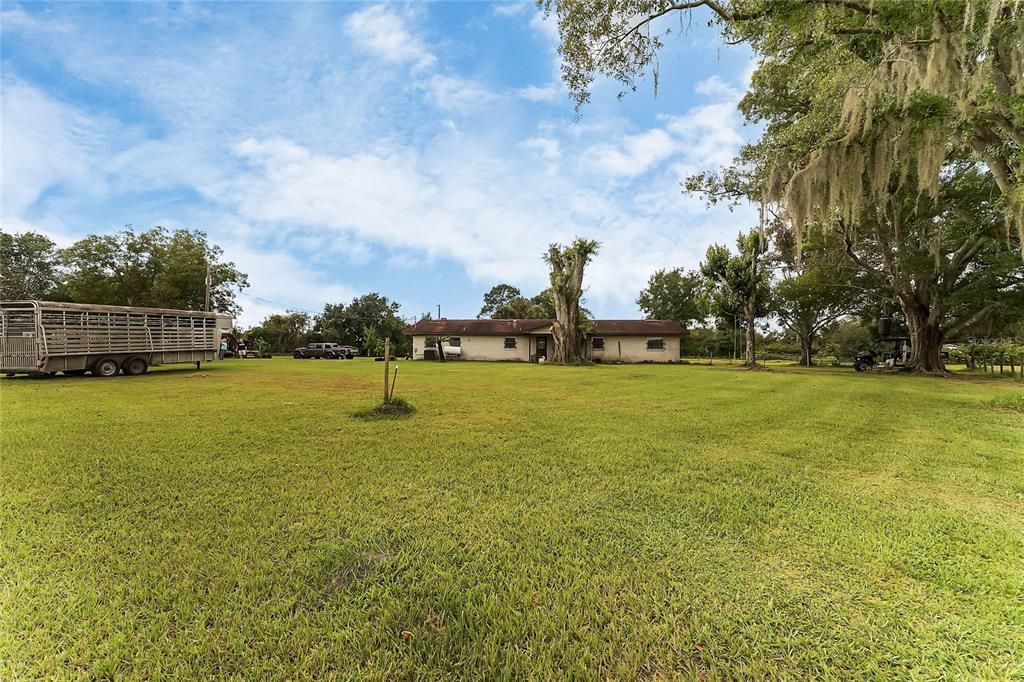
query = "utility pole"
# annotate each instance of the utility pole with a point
(206, 306)
(439, 311)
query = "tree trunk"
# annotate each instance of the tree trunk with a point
(750, 359)
(926, 338)
(567, 266)
(806, 344)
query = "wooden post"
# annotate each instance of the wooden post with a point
(387, 370)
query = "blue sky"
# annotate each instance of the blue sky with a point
(426, 151)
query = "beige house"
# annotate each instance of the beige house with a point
(530, 340)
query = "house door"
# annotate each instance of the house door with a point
(542, 347)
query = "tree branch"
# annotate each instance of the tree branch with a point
(973, 319)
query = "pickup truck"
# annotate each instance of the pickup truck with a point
(329, 351)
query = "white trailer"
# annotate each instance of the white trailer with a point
(46, 337)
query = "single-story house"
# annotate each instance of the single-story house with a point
(530, 340)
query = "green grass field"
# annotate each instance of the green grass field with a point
(526, 521)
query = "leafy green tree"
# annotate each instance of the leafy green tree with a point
(673, 295)
(868, 89)
(882, 123)
(545, 305)
(499, 296)
(567, 264)
(520, 308)
(848, 337)
(282, 332)
(817, 287)
(28, 266)
(156, 268)
(740, 280)
(351, 323)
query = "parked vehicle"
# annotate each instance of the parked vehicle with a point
(895, 358)
(328, 351)
(45, 337)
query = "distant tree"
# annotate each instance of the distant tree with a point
(567, 264)
(848, 337)
(500, 295)
(818, 286)
(540, 307)
(742, 280)
(520, 308)
(373, 342)
(352, 323)
(28, 266)
(156, 268)
(673, 295)
(282, 332)
(545, 305)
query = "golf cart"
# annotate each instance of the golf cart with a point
(897, 357)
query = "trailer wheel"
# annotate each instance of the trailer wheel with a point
(133, 367)
(105, 367)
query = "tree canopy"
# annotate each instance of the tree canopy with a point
(28, 266)
(364, 322)
(567, 264)
(673, 295)
(898, 126)
(156, 268)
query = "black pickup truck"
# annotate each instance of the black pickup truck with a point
(329, 351)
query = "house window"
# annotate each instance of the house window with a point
(510, 342)
(455, 342)
(597, 343)
(655, 344)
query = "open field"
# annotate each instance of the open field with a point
(541, 521)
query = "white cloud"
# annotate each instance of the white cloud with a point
(385, 34)
(545, 146)
(338, 165)
(716, 87)
(511, 9)
(709, 135)
(547, 26)
(464, 199)
(278, 282)
(45, 143)
(451, 93)
(533, 93)
(16, 18)
(635, 155)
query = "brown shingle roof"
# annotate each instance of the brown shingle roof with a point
(514, 327)
(470, 327)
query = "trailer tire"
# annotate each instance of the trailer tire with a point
(133, 367)
(105, 367)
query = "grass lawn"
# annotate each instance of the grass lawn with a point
(526, 521)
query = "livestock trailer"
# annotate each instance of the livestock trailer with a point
(46, 337)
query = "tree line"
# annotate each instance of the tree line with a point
(892, 148)
(156, 268)
(365, 322)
